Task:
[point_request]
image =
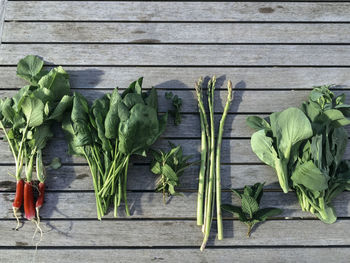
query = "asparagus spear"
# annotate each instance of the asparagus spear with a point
(218, 157)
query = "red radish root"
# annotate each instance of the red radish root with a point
(17, 203)
(29, 209)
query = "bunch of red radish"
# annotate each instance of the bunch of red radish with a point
(26, 120)
(24, 194)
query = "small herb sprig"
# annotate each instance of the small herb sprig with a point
(177, 104)
(250, 213)
(169, 166)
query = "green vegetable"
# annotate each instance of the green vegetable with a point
(306, 148)
(27, 117)
(250, 213)
(169, 167)
(209, 174)
(177, 105)
(108, 133)
(56, 163)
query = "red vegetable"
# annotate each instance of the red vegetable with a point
(17, 203)
(29, 209)
(40, 200)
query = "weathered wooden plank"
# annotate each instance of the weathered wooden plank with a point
(140, 178)
(175, 33)
(147, 233)
(186, 255)
(177, 11)
(244, 101)
(2, 17)
(182, 78)
(181, 55)
(150, 205)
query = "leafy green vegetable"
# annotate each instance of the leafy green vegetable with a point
(108, 133)
(177, 105)
(306, 148)
(250, 213)
(169, 166)
(27, 117)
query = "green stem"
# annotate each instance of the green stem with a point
(127, 212)
(40, 168)
(29, 167)
(209, 212)
(218, 159)
(201, 178)
(93, 174)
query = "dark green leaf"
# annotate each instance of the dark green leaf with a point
(29, 68)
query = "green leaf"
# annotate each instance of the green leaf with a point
(100, 109)
(310, 176)
(168, 172)
(112, 118)
(7, 111)
(152, 99)
(55, 163)
(33, 109)
(249, 205)
(156, 168)
(292, 126)
(234, 210)
(132, 99)
(29, 68)
(41, 135)
(57, 80)
(265, 213)
(257, 123)
(262, 146)
(81, 120)
(65, 104)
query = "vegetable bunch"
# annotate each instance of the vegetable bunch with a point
(26, 120)
(249, 212)
(306, 146)
(106, 134)
(209, 182)
(169, 167)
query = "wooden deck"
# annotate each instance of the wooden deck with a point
(274, 52)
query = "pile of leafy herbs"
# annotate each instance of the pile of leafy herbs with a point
(249, 212)
(306, 146)
(26, 120)
(108, 133)
(169, 166)
(177, 105)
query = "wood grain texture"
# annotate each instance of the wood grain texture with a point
(177, 11)
(186, 255)
(150, 205)
(184, 78)
(148, 233)
(2, 17)
(175, 33)
(181, 55)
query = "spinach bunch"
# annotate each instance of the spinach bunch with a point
(115, 127)
(314, 140)
(250, 213)
(169, 167)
